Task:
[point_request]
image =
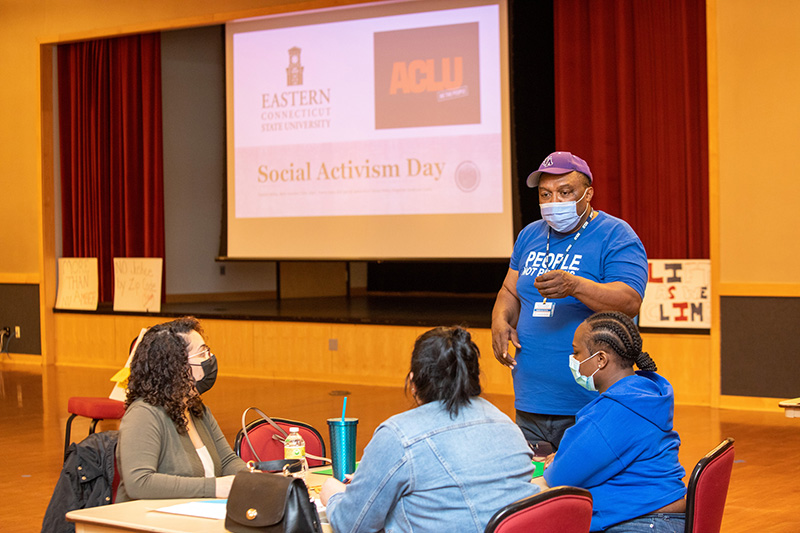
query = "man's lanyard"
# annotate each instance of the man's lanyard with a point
(547, 249)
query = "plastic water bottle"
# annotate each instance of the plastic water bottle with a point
(294, 447)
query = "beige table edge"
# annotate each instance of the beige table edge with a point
(141, 515)
(791, 407)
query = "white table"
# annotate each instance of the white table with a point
(141, 515)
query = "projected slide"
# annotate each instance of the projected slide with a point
(394, 115)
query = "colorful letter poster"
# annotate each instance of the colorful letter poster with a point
(678, 294)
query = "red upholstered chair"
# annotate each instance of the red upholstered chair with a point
(92, 407)
(556, 510)
(708, 489)
(268, 441)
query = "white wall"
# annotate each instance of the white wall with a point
(193, 93)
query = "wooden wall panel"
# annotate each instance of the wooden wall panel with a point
(293, 350)
(373, 355)
(126, 329)
(85, 340)
(495, 378)
(365, 354)
(232, 342)
(753, 120)
(685, 360)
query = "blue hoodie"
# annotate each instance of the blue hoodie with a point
(623, 449)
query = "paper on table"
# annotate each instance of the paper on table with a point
(205, 509)
(328, 471)
(323, 516)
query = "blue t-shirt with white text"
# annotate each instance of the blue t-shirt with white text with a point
(607, 250)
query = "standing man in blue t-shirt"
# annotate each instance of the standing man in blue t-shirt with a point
(573, 262)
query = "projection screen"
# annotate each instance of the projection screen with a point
(372, 132)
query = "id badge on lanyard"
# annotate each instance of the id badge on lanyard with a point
(543, 309)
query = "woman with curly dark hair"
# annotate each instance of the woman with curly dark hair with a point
(170, 446)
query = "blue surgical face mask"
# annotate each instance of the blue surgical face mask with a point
(562, 216)
(587, 382)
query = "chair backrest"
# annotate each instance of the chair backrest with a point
(708, 488)
(269, 449)
(556, 510)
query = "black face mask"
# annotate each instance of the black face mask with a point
(209, 367)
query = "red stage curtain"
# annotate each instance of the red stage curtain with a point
(112, 191)
(631, 99)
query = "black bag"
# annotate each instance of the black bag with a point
(264, 502)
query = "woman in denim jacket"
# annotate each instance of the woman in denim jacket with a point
(449, 464)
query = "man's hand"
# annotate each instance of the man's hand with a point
(502, 334)
(556, 284)
(505, 315)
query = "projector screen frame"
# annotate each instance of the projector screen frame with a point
(419, 225)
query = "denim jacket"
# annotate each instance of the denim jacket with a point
(426, 471)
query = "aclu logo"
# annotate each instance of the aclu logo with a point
(420, 76)
(294, 72)
(427, 76)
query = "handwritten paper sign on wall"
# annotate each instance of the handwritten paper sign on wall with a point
(137, 284)
(77, 283)
(678, 294)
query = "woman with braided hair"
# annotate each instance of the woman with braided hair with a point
(622, 447)
(448, 464)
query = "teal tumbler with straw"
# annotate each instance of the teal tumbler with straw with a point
(343, 446)
(343, 443)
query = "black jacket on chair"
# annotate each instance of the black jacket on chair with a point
(86, 480)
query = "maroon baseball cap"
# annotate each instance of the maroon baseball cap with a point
(559, 163)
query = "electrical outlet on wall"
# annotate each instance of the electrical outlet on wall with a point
(17, 332)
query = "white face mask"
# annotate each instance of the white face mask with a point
(587, 382)
(562, 216)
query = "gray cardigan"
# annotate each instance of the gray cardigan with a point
(154, 461)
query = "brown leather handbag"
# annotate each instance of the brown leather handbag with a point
(266, 502)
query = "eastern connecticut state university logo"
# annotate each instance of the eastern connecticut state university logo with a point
(294, 72)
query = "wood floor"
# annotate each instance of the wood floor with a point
(761, 498)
